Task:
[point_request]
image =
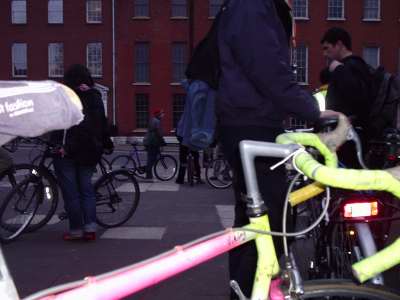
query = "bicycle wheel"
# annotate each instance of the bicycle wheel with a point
(47, 205)
(218, 174)
(19, 208)
(346, 290)
(116, 199)
(165, 167)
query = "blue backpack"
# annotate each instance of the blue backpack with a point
(196, 127)
(197, 124)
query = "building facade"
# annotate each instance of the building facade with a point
(137, 50)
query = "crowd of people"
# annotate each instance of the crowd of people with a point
(256, 94)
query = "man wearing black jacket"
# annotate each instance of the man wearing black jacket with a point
(350, 86)
(256, 93)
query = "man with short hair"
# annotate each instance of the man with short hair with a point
(350, 86)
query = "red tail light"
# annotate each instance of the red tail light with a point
(359, 209)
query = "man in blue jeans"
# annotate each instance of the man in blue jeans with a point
(256, 94)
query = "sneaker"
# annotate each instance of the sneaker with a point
(72, 237)
(89, 236)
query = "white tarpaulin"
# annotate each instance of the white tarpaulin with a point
(32, 108)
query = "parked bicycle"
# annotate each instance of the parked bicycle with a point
(116, 201)
(165, 168)
(288, 284)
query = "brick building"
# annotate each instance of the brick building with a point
(137, 49)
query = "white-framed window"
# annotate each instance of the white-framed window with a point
(179, 56)
(94, 11)
(300, 9)
(142, 62)
(214, 6)
(56, 59)
(179, 8)
(18, 12)
(372, 10)
(300, 56)
(94, 59)
(371, 55)
(335, 9)
(141, 8)
(142, 110)
(178, 105)
(55, 12)
(19, 60)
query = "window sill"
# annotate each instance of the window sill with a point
(336, 19)
(141, 18)
(179, 18)
(141, 83)
(19, 23)
(97, 76)
(175, 84)
(94, 22)
(372, 20)
(20, 76)
(139, 130)
(302, 18)
(59, 23)
(55, 76)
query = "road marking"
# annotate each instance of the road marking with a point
(134, 233)
(159, 186)
(226, 214)
(53, 220)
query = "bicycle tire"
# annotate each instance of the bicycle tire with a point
(343, 289)
(116, 200)
(219, 174)
(23, 199)
(165, 167)
(47, 206)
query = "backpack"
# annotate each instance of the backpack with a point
(385, 111)
(196, 127)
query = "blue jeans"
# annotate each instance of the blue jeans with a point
(78, 193)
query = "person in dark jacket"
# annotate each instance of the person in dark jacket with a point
(256, 93)
(153, 141)
(350, 86)
(82, 147)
